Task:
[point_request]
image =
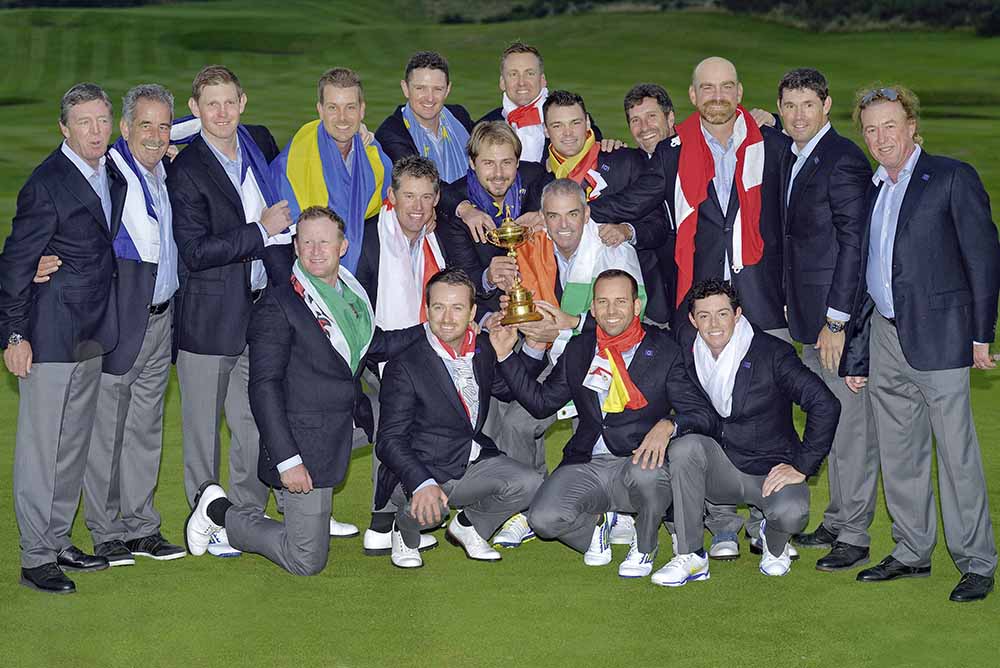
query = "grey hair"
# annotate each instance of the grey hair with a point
(154, 92)
(82, 93)
(564, 187)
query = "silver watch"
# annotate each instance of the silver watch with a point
(14, 339)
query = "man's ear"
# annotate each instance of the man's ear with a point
(343, 247)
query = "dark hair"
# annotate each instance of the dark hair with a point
(521, 47)
(618, 273)
(340, 77)
(322, 212)
(430, 60)
(805, 77)
(641, 91)
(82, 93)
(562, 98)
(417, 167)
(451, 276)
(711, 287)
(214, 75)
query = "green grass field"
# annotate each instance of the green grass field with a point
(540, 606)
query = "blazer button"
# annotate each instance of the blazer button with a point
(114, 274)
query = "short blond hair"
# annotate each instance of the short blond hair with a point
(492, 133)
(214, 75)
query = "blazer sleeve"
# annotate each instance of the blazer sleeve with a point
(821, 406)
(849, 182)
(977, 239)
(692, 412)
(270, 341)
(540, 399)
(395, 144)
(196, 244)
(395, 427)
(500, 389)
(459, 248)
(639, 197)
(32, 229)
(388, 344)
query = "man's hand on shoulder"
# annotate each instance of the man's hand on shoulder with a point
(477, 221)
(609, 145)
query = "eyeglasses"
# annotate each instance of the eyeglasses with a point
(890, 94)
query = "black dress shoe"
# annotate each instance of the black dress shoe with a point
(820, 538)
(74, 559)
(115, 552)
(892, 569)
(972, 587)
(47, 578)
(842, 557)
(155, 547)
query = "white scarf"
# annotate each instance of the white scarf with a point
(143, 229)
(533, 136)
(400, 283)
(315, 303)
(718, 375)
(463, 375)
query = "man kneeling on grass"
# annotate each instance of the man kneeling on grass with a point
(757, 458)
(633, 396)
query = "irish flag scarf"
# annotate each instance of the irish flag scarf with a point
(310, 172)
(526, 121)
(581, 168)
(695, 171)
(401, 276)
(622, 392)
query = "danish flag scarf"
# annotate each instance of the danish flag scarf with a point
(622, 392)
(695, 171)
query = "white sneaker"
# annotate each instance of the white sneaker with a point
(200, 528)
(793, 554)
(514, 532)
(403, 556)
(599, 552)
(342, 529)
(623, 530)
(770, 564)
(637, 564)
(682, 569)
(379, 544)
(219, 546)
(468, 539)
(725, 547)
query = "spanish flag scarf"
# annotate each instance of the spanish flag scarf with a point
(622, 392)
(581, 168)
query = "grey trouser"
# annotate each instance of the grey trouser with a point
(910, 406)
(211, 384)
(700, 470)
(491, 490)
(125, 445)
(373, 387)
(518, 434)
(573, 499)
(300, 544)
(852, 465)
(54, 419)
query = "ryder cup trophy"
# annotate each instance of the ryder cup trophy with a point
(520, 309)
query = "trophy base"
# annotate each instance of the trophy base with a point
(518, 318)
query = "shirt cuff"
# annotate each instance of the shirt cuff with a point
(532, 353)
(263, 232)
(425, 483)
(839, 316)
(487, 286)
(291, 462)
(631, 240)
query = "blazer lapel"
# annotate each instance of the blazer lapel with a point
(580, 364)
(305, 322)
(118, 186)
(218, 174)
(440, 377)
(78, 186)
(805, 175)
(744, 377)
(922, 175)
(483, 368)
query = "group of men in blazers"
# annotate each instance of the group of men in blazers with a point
(346, 281)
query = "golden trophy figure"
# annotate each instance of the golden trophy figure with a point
(520, 309)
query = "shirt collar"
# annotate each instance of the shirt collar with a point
(710, 138)
(811, 146)
(882, 174)
(159, 173)
(82, 164)
(225, 160)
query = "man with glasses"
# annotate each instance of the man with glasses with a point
(924, 312)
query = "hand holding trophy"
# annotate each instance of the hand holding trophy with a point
(510, 235)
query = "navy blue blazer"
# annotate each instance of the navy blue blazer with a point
(658, 371)
(423, 429)
(945, 270)
(73, 316)
(303, 394)
(216, 247)
(823, 224)
(759, 432)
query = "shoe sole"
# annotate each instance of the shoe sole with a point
(690, 578)
(758, 552)
(385, 552)
(406, 568)
(25, 582)
(92, 569)
(637, 576)
(834, 569)
(226, 555)
(510, 546)
(457, 543)
(168, 557)
(972, 600)
(774, 575)
(346, 535)
(597, 563)
(121, 562)
(897, 577)
(725, 557)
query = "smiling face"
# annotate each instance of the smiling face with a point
(87, 130)
(521, 77)
(889, 134)
(715, 321)
(148, 135)
(341, 110)
(219, 107)
(615, 306)
(649, 125)
(496, 168)
(566, 128)
(426, 90)
(450, 311)
(565, 217)
(803, 114)
(716, 91)
(414, 203)
(319, 244)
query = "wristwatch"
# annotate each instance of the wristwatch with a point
(14, 339)
(835, 326)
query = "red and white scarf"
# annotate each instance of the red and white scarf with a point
(401, 282)
(526, 120)
(695, 171)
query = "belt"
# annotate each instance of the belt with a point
(157, 309)
(255, 295)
